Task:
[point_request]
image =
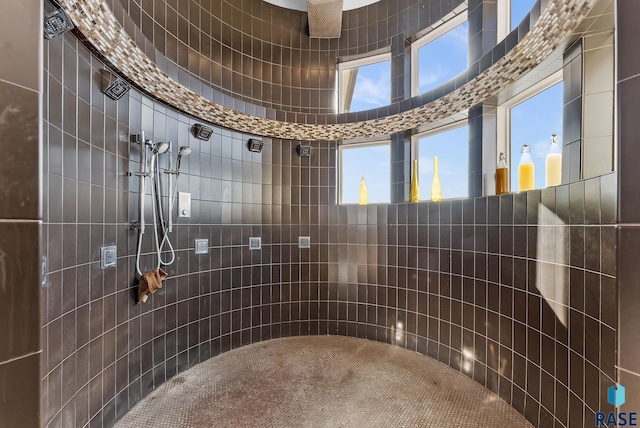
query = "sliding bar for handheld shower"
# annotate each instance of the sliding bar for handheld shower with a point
(142, 173)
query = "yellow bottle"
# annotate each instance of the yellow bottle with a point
(553, 164)
(414, 193)
(525, 170)
(436, 192)
(363, 192)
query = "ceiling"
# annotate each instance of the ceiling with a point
(302, 4)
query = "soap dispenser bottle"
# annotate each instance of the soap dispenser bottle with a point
(553, 164)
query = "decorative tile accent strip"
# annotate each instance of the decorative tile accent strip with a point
(97, 23)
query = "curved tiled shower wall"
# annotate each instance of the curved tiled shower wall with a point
(492, 70)
(517, 291)
(257, 52)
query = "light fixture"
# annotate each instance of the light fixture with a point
(304, 150)
(56, 22)
(255, 145)
(202, 132)
(113, 86)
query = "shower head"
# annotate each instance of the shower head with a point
(160, 148)
(56, 22)
(184, 151)
(255, 145)
(202, 132)
(113, 86)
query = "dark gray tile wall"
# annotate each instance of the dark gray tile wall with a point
(243, 46)
(261, 54)
(102, 351)
(628, 89)
(572, 113)
(400, 167)
(288, 57)
(517, 291)
(475, 123)
(20, 217)
(482, 19)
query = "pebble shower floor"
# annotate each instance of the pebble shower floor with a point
(321, 381)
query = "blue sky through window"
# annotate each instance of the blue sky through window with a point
(532, 122)
(373, 162)
(519, 8)
(373, 86)
(452, 149)
(443, 58)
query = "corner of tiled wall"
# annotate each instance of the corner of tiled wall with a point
(628, 232)
(20, 213)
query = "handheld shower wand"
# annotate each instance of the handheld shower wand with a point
(160, 148)
(167, 226)
(184, 151)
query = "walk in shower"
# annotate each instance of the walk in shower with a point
(517, 292)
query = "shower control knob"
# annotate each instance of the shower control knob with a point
(184, 204)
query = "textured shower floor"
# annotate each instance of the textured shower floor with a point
(321, 381)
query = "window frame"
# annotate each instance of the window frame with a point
(357, 63)
(354, 145)
(504, 19)
(441, 30)
(503, 22)
(503, 114)
(415, 151)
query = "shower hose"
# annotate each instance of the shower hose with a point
(157, 214)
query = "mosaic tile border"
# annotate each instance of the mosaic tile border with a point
(97, 23)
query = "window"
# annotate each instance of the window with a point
(440, 55)
(371, 161)
(530, 118)
(451, 146)
(364, 84)
(510, 15)
(518, 10)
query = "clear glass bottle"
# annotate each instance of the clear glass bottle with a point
(363, 193)
(436, 192)
(525, 170)
(553, 164)
(502, 176)
(414, 193)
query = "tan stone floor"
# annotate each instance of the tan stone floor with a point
(321, 381)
